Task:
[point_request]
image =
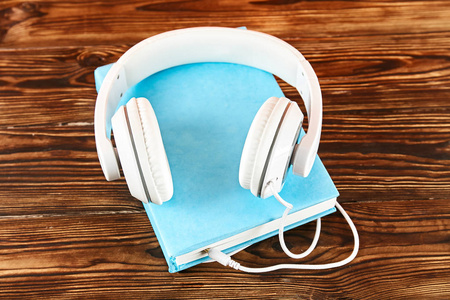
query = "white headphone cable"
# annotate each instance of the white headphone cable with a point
(226, 260)
(281, 228)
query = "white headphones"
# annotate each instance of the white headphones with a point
(271, 144)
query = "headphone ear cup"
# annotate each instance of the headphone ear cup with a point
(141, 152)
(258, 143)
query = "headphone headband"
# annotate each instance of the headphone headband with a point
(209, 44)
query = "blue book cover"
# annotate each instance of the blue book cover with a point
(204, 112)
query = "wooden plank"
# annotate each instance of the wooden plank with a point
(45, 170)
(403, 254)
(52, 23)
(45, 86)
(385, 73)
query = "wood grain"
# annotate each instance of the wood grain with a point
(71, 23)
(64, 255)
(384, 69)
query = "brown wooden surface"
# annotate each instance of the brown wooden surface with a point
(384, 67)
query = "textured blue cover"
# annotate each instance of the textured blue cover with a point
(204, 113)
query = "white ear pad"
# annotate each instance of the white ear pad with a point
(253, 141)
(269, 145)
(258, 143)
(141, 152)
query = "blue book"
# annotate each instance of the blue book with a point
(204, 112)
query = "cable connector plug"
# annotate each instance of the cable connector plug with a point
(222, 258)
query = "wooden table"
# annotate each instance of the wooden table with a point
(384, 68)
